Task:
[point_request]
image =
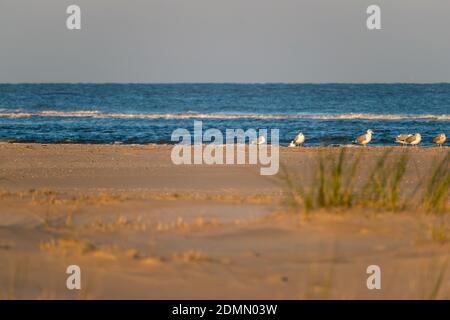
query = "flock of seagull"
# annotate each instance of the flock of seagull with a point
(404, 139)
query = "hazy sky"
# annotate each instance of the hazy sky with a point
(224, 41)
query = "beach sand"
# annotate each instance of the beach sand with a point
(140, 227)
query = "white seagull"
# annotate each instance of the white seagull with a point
(401, 138)
(414, 139)
(299, 139)
(259, 141)
(365, 138)
(439, 139)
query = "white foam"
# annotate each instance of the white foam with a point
(191, 115)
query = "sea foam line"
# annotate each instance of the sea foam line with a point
(103, 115)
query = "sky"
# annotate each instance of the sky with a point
(292, 41)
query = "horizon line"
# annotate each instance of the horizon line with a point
(226, 82)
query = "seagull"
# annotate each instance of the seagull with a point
(365, 138)
(439, 139)
(259, 141)
(401, 138)
(292, 144)
(414, 139)
(299, 139)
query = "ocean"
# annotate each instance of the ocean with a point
(328, 114)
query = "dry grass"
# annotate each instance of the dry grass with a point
(77, 248)
(67, 247)
(120, 224)
(226, 198)
(102, 198)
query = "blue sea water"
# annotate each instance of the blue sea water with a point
(149, 113)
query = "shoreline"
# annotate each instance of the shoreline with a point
(68, 166)
(166, 144)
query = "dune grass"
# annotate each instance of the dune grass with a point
(338, 181)
(333, 184)
(382, 188)
(435, 197)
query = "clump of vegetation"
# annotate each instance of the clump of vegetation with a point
(67, 247)
(333, 184)
(437, 188)
(339, 182)
(336, 181)
(382, 187)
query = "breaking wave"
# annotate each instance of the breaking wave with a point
(103, 115)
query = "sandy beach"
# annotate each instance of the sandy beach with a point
(140, 227)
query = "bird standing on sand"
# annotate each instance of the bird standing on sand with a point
(401, 138)
(299, 139)
(259, 141)
(414, 139)
(365, 138)
(439, 139)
